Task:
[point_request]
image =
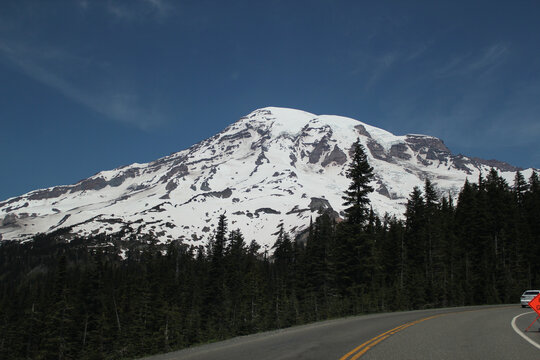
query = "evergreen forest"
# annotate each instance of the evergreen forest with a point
(107, 297)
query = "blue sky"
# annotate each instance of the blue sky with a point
(92, 85)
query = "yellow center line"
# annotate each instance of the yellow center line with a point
(362, 352)
(396, 329)
(363, 348)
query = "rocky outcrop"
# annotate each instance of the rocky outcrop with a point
(9, 220)
(497, 164)
(376, 150)
(336, 156)
(400, 151)
(277, 161)
(219, 194)
(322, 206)
(361, 129)
(319, 148)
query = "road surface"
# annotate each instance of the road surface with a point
(480, 332)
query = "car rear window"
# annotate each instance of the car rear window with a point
(531, 293)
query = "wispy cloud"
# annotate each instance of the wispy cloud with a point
(380, 66)
(374, 67)
(490, 57)
(162, 7)
(469, 63)
(416, 53)
(139, 10)
(52, 67)
(517, 121)
(83, 4)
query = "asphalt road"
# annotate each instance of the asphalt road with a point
(481, 332)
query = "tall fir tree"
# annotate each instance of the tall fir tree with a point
(520, 187)
(356, 196)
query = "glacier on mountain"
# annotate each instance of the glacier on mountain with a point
(272, 166)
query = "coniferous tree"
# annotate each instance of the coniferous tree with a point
(354, 250)
(520, 187)
(216, 279)
(356, 196)
(416, 244)
(88, 299)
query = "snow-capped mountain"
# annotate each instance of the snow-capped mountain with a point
(272, 166)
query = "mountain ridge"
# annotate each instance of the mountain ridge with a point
(272, 166)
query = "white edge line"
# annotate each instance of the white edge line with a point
(520, 333)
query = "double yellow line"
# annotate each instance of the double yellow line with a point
(362, 349)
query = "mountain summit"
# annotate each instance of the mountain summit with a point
(272, 166)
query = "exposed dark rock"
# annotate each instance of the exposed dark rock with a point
(10, 201)
(205, 186)
(376, 149)
(266, 211)
(422, 161)
(296, 210)
(239, 213)
(135, 187)
(179, 170)
(318, 204)
(111, 221)
(460, 162)
(199, 161)
(383, 190)
(259, 143)
(159, 207)
(220, 194)
(320, 147)
(433, 148)
(171, 185)
(400, 151)
(244, 134)
(436, 155)
(119, 179)
(235, 200)
(63, 220)
(205, 229)
(261, 158)
(322, 206)
(501, 165)
(90, 184)
(361, 129)
(337, 156)
(276, 174)
(175, 159)
(193, 187)
(417, 142)
(293, 159)
(9, 220)
(293, 175)
(48, 193)
(123, 197)
(10, 208)
(260, 161)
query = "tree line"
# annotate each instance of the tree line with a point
(105, 297)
